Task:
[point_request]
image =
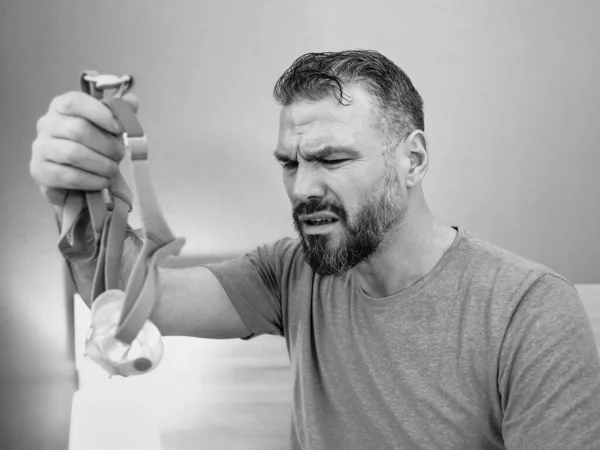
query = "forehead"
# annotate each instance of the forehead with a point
(310, 125)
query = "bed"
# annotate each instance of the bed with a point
(205, 394)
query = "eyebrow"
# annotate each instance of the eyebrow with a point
(322, 153)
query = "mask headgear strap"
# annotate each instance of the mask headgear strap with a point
(159, 240)
(107, 213)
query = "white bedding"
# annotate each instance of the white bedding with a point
(104, 407)
(590, 296)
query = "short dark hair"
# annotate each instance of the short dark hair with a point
(314, 76)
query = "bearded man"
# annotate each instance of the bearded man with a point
(402, 331)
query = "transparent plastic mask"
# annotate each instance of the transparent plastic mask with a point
(115, 357)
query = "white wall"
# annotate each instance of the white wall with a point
(510, 91)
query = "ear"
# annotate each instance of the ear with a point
(415, 149)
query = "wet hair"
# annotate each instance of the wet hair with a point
(314, 76)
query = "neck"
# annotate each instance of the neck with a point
(408, 253)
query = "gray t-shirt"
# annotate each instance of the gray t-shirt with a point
(487, 351)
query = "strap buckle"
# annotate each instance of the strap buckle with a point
(138, 146)
(105, 86)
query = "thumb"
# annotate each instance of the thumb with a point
(132, 100)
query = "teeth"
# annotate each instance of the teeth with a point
(320, 221)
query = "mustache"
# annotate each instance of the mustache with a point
(315, 206)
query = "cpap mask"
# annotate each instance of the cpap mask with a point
(121, 339)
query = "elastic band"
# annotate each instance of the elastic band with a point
(145, 300)
(99, 281)
(159, 240)
(109, 224)
(115, 244)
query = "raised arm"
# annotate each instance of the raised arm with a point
(77, 147)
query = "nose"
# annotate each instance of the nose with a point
(306, 184)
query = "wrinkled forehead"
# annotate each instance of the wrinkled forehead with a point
(306, 125)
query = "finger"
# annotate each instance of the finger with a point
(133, 101)
(49, 174)
(84, 106)
(68, 177)
(70, 153)
(81, 131)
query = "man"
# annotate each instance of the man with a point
(403, 332)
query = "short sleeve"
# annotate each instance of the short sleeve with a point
(549, 371)
(253, 284)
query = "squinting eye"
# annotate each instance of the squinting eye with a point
(332, 162)
(289, 164)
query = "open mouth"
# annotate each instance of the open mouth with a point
(319, 225)
(320, 221)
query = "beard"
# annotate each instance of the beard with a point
(362, 234)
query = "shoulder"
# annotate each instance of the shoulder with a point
(283, 251)
(284, 259)
(488, 262)
(508, 289)
(502, 257)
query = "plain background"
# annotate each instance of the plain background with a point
(512, 115)
(511, 101)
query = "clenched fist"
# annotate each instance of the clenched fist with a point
(78, 146)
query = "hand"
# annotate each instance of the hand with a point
(78, 146)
